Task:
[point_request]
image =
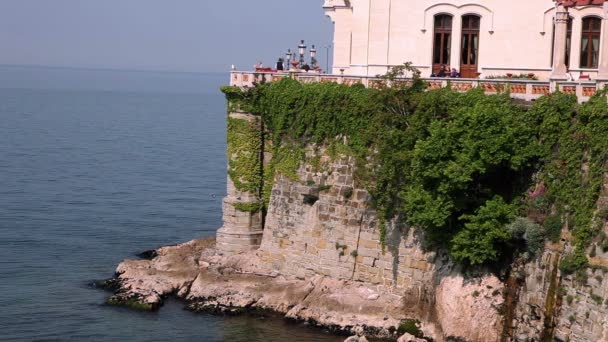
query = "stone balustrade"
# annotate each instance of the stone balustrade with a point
(528, 90)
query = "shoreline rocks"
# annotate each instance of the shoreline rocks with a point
(232, 285)
(238, 284)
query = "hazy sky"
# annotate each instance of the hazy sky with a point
(175, 35)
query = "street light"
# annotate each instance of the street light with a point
(302, 50)
(288, 56)
(313, 56)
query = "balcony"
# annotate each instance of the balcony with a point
(527, 90)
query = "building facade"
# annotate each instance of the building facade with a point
(561, 40)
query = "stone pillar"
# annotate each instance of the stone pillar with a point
(242, 215)
(559, 45)
(603, 67)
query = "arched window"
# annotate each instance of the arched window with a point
(590, 42)
(442, 42)
(470, 46)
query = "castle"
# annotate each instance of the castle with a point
(554, 40)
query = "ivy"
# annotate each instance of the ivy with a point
(244, 161)
(251, 207)
(457, 165)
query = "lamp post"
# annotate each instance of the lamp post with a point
(302, 51)
(288, 59)
(313, 56)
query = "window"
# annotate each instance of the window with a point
(470, 46)
(442, 41)
(590, 42)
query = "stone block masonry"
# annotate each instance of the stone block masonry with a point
(242, 229)
(338, 236)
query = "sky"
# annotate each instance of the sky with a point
(163, 35)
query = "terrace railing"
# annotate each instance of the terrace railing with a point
(527, 90)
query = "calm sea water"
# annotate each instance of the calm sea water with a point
(96, 166)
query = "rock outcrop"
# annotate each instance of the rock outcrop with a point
(323, 263)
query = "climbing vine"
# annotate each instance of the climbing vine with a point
(244, 161)
(461, 166)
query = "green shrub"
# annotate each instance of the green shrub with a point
(533, 234)
(573, 262)
(553, 227)
(480, 240)
(252, 207)
(593, 252)
(411, 327)
(581, 276)
(597, 299)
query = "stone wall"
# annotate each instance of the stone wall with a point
(242, 231)
(564, 307)
(338, 235)
(323, 224)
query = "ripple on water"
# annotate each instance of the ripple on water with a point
(91, 177)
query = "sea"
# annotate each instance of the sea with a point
(95, 167)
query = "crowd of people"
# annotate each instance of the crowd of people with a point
(445, 71)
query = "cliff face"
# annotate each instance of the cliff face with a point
(301, 237)
(336, 234)
(320, 223)
(557, 306)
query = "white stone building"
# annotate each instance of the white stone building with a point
(480, 38)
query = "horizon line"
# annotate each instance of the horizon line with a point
(42, 66)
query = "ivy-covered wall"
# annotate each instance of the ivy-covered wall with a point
(245, 143)
(485, 179)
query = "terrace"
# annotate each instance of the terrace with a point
(527, 90)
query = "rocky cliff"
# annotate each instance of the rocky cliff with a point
(302, 235)
(322, 261)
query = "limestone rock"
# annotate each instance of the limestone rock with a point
(356, 339)
(467, 308)
(410, 338)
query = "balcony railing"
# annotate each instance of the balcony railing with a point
(528, 90)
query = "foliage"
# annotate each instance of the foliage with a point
(573, 262)
(553, 226)
(482, 236)
(250, 207)
(244, 162)
(513, 76)
(524, 229)
(575, 152)
(410, 326)
(457, 165)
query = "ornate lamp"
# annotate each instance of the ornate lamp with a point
(302, 51)
(288, 56)
(313, 56)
